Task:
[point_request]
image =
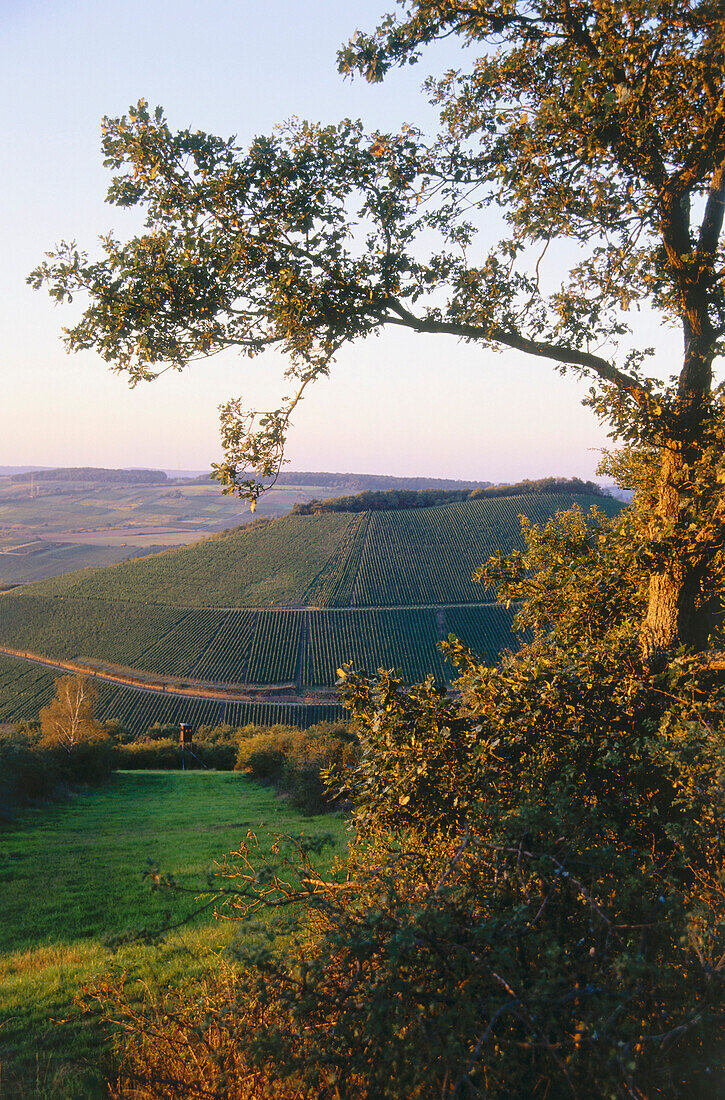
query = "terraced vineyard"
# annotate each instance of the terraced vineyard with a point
(298, 647)
(379, 589)
(25, 689)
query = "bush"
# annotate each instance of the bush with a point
(212, 735)
(31, 772)
(26, 774)
(90, 762)
(296, 761)
(159, 732)
(165, 752)
(117, 732)
(150, 752)
(219, 755)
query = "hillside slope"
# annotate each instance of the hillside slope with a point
(414, 558)
(274, 610)
(265, 566)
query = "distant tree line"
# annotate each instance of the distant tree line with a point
(95, 474)
(398, 499)
(359, 482)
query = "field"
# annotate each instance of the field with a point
(25, 688)
(277, 608)
(263, 567)
(71, 877)
(302, 648)
(418, 557)
(39, 559)
(51, 527)
(427, 556)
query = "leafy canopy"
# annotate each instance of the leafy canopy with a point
(599, 124)
(69, 719)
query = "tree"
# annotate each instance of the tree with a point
(601, 124)
(69, 719)
(532, 904)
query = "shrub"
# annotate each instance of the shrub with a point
(150, 752)
(165, 752)
(297, 761)
(26, 774)
(160, 732)
(31, 771)
(117, 732)
(90, 762)
(220, 755)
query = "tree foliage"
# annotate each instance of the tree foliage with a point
(601, 125)
(398, 499)
(69, 719)
(533, 899)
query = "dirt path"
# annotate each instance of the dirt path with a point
(271, 693)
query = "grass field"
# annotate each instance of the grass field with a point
(71, 877)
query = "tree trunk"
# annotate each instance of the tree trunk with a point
(681, 611)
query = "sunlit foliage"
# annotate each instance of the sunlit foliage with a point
(533, 900)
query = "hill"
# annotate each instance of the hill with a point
(58, 521)
(356, 483)
(273, 610)
(386, 500)
(420, 557)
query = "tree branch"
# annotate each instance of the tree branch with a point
(561, 353)
(714, 211)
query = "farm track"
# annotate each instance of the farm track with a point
(267, 693)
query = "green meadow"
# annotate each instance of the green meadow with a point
(72, 884)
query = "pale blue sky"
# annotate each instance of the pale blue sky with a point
(399, 404)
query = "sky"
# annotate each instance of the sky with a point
(399, 404)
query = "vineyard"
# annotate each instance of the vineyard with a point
(296, 647)
(443, 545)
(25, 689)
(418, 557)
(138, 711)
(302, 648)
(271, 565)
(378, 589)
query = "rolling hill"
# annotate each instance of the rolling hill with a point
(55, 521)
(272, 611)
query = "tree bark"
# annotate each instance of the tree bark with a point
(683, 605)
(677, 612)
